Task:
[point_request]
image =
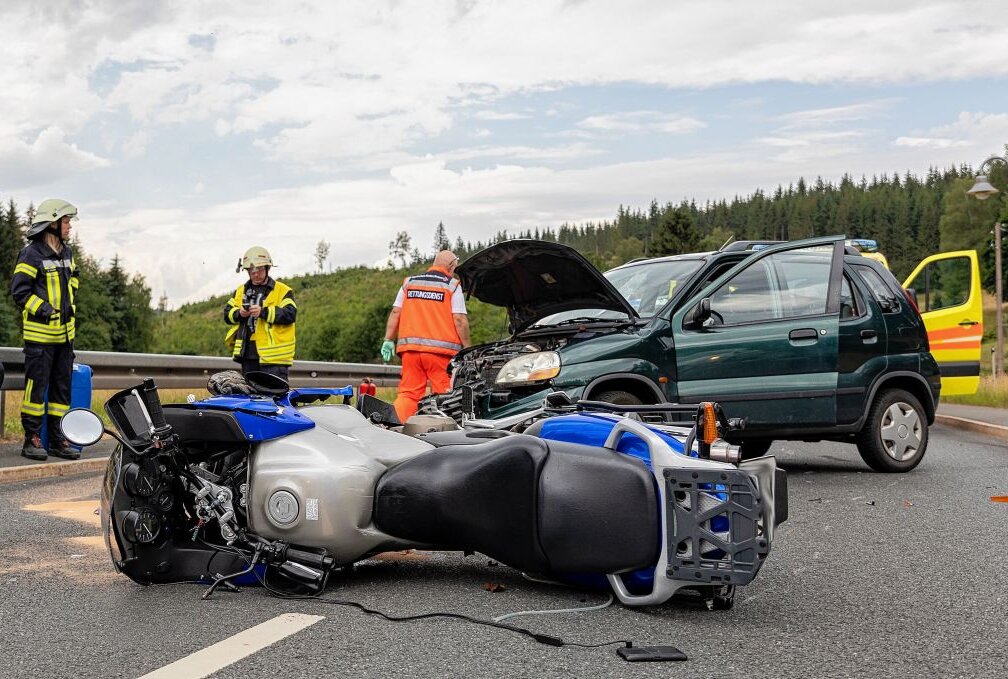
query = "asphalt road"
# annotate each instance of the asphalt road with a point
(874, 576)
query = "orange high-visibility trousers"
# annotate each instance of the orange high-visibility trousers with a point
(417, 368)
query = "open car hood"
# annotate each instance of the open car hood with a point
(533, 279)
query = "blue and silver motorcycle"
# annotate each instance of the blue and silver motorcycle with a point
(276, 485)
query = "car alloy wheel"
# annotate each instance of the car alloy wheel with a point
(901, 431)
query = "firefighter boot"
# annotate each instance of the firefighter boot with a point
(32, 448)
(64, 450)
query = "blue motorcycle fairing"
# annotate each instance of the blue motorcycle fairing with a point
(262, 418)
(296, 395)
(592, 429)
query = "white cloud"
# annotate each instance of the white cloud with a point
(928, 142)
(45, 159)
(136, 145)
(496, 115)
(347, 77)
(981, 132)
(540, 153)
(638, 122)
(835, 115)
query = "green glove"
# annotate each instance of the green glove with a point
(387, 349)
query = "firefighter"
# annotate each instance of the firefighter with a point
(44, 287)
(430, 325)
(261, 315)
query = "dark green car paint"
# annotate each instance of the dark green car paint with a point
(810, 376)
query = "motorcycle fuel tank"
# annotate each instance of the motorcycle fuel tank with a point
(315, 488)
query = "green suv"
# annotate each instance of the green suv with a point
(804, 340)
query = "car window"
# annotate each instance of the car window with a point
(715, 272)
(882, 293)
(786, 284)
(647, 286)
(850, 304)
(942, 284)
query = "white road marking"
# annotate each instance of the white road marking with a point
(229, 651)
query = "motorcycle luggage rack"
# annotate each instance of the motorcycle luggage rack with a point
(692, 493)
(686, 413)
(715, 534)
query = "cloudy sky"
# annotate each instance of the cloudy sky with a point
(188, 131)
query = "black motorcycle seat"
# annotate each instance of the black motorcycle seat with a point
(539, 506)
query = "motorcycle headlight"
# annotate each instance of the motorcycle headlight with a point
(528, 368)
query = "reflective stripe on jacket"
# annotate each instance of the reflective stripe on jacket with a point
(274, 329)
(44, 286)
(426, 322)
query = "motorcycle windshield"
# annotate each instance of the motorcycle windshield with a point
(113, 473)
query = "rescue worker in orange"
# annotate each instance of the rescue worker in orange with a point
(427, 326)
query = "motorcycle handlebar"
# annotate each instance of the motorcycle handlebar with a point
(310, 558)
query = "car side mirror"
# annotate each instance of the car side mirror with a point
(81, 427)
(700, 313)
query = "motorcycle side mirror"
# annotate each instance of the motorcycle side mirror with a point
(700, 313)
(81, 427)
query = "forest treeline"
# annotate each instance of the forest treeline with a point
(341, 314)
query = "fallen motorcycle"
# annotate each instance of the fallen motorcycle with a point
(274, 485)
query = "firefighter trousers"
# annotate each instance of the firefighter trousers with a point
(47, 366)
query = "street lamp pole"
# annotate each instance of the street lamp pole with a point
(998, 366)
(982, 190)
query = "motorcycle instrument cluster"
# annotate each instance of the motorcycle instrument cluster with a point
(141, 527)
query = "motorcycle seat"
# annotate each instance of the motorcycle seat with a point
(539, 506)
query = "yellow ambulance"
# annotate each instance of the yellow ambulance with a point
(946, 289)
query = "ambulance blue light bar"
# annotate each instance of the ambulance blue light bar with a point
(865, 244)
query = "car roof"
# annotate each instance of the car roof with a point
(667, 258)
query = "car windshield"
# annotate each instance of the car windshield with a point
(647, 286)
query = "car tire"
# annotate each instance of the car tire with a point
(895, 435)
(619, 397)
(750, 448)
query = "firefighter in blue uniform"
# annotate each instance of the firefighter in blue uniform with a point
(44, 287)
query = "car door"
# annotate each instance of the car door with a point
(947, 291)
(769, 350)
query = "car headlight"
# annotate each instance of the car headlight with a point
(528, 368)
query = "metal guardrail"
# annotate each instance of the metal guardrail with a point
(111, 370)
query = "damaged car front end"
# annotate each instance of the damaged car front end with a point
(567, 323)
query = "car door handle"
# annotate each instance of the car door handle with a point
(968, 323)
(803, 334)
(868, 334)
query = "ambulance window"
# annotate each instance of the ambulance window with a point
(942, 284)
